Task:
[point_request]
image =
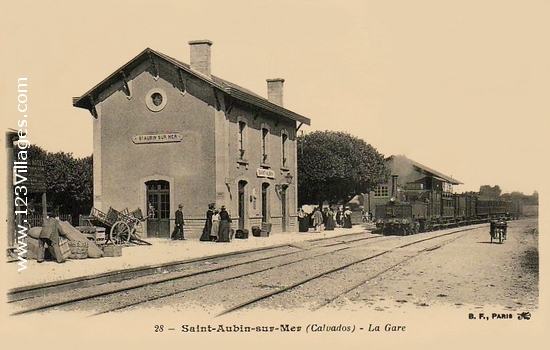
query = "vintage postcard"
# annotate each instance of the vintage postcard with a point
(269, 174)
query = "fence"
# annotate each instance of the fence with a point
(38, 220)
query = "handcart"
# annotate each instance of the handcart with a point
(498, 230)
(122, 226)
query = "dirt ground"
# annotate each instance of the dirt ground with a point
(468, 273)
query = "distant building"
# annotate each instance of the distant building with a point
(411, 176)
(166, 133)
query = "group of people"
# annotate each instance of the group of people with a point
(217, 226)
(325, 219)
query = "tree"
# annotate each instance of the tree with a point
(489, 191)
(335, 166)
(69, 181)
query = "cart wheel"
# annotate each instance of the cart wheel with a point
(138, 230)
(120, 232)
(500, 236)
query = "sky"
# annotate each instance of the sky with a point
(459, 86)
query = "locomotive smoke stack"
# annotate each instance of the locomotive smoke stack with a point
(394, 186)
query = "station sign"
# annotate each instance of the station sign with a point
(158, 138)
(261, 172)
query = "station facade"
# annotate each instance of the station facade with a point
(167, 133)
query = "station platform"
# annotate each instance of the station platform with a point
(161, 250)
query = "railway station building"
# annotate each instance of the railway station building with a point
(167, 133)
(408, 174)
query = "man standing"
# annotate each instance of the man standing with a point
(178, 230)
(51, 230)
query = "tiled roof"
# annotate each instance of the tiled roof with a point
(229, 88)
(426, 169)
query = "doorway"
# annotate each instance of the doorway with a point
(158, 209)
(242, 204)
(284, 208)
(265, 209)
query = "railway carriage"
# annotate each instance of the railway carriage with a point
(419, 199)
(413, 209)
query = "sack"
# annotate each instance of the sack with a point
(75, 235)
(79, 250)
(64, 248)
(34, 232)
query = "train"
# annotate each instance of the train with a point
(415, 209)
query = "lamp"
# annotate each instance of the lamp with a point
(284, 184)
(288, 178)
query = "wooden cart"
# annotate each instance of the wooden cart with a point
(122, 226)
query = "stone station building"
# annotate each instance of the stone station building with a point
(166, 133)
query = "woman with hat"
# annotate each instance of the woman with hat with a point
(347, 218)
(225, 225)
(207, 230)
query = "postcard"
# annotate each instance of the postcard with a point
(269, 174)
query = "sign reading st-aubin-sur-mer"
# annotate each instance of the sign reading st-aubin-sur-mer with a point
(158, 137)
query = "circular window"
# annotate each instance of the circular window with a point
(156, 99)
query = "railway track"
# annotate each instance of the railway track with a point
(171, 280)
(359, 264)
(55, 294)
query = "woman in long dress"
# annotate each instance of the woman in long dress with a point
(215, 225)
(347, 218)
(329, 226)
(207, 230)
(303, 221)
(225, 226)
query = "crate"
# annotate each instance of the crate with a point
(112, 251)
(95, 234)
(64, 248)
(79, 250)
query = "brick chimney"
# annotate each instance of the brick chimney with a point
(275, 91)
(200, 56)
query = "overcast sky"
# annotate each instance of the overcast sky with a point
(459, 86)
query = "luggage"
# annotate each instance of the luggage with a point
(256, 231)
(241, 234)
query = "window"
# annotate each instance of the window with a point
(381, 191)
(242, 126)
(284, 149)
(156, 99)
(265, 133)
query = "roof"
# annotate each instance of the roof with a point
(227, 87)
(424, 169)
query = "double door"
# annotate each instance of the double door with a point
(158, 204)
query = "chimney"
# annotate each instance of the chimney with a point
(275, 91)
(394, 186)
(200, 56)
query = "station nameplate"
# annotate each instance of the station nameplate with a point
(261, 172)
(158, 137)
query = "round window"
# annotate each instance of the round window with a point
(156, 99)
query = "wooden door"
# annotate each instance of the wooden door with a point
(158, 204)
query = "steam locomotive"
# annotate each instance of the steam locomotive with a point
(420, 208)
